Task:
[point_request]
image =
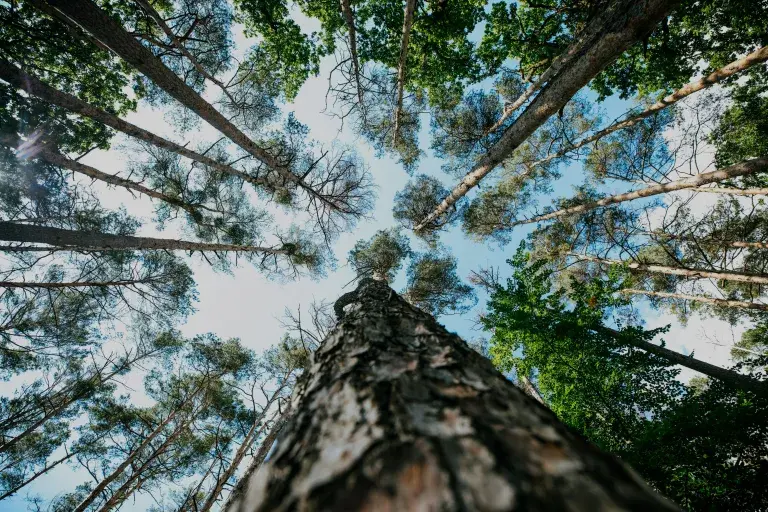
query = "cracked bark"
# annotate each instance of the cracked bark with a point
(395, 413)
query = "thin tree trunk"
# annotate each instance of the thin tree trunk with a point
(736, 244)
(147, 7)
(396, 413)
(692, 273)
(402, 67)
(734, 191)
(346, 10)
(530, 389)
(741, 169)
(133, 455)
(699, 298)
(75, 284)
(252, 435)
(620, 24)
(32, 85)
(89, 16)
(76, 240)
(758, 56)
(37, 475)
(729, 377)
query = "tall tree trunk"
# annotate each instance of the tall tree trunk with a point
(395, 413)
(349, 19)
(692, 273)
(402, 66)
(741, 169)
(19, 486)
(76, 284)
(734, 191)
(251, 436)
(736, 244)
(89, 16)
(60, 238)
(729, 377)
(758, 56)
(32, 85)
(179, 44)
(699, 298)
(530, 389)
(616, 28)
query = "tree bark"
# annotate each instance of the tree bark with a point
(693, 273)
(402, 67)
(89, 16)
(152, 12)
(699, 298)
(741, 169)
(76, 240)
(729, 377)
(758, 56)
(349, 19)
(31, 85)
(734, 191)
(617, 27)
(395, 413)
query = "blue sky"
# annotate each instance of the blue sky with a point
(248, 306)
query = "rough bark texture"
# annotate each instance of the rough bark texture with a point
(89, 16)
(402, 68)
(758, 56)
(699, 298)
(31, 85)
(622, 23)
(59, 238)
(395, 413)
(693, 273)
(734, 171)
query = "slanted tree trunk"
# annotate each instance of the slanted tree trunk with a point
(349, 19)
(619, 25)
(396, 413)
(735, 244)
(699, 298)
(76, 240)
(89, 16)
(741, 169)
(692, 273)
(757, 57)
(76, 284)
(402, 67)
(729, 377)
(530, 389)
(31, 85)
(734, 191)
(179, 44)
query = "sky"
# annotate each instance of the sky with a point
(249, 306)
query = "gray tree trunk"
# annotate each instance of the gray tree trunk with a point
(76, 240)
(699, 298)
(349, 19)
(402, 68)
(616, 28)
(396, 413)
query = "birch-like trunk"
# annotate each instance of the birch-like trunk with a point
(32, 85)
(402, 67)
(729, 377)
(396, 413)
(699, 298)
(734, 171)
(89, 16)
(757, 57)
(693, 273)
(734, 191)
(349, 19)
(619, 25)
(76, 240)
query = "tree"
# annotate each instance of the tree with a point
(381, 257)
(447, 394)
(435, 287)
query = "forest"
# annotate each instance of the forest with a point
(454, 255)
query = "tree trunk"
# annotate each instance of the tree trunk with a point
(75, 240)
(530, 389)
(402, 67)
(31, 85)
(734, 191)
(89, 16)
(75, 284)
(395, 413)
(147, 7)
(349, 19)
(692, 273)
(741, 169)
(618, 26)
(729, 377)
(758, 56)
(736, 244)
(699, 298)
